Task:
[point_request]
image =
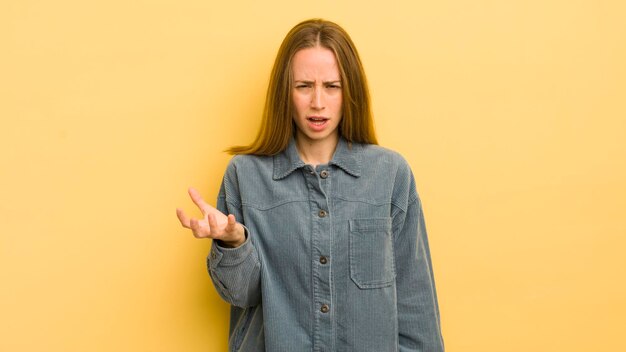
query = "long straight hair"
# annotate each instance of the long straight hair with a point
(277, 126)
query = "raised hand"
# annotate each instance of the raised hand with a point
(214, 224)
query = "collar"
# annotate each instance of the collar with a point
(346, 156)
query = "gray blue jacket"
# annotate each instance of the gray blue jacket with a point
(336, 257)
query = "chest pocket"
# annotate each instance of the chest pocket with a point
(371, 253)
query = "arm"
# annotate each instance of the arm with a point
(419, 326)
(235, 272)
(233, 262)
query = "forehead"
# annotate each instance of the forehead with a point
(316, 62)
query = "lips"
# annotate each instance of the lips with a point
(317, 123)
(317, 120)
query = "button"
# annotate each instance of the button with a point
(325, 308)
(324, 174)
(323, 260)
(322, 213)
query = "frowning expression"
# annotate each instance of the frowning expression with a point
(317, 95)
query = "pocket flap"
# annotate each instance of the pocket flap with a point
(368, 225)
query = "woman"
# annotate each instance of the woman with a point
(333, 255)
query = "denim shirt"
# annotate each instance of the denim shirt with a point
(336, 257)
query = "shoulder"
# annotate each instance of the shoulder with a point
(248, 169)
(243, 162)
(376, 155)
(380, 160)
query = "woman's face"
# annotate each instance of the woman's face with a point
(316, 95)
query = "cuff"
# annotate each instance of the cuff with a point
(230, 256)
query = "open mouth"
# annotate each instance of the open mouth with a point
(317, 121)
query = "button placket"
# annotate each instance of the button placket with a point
(321, 242)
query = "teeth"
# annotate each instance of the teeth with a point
(317, 121)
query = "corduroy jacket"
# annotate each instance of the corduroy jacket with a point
(336, 257)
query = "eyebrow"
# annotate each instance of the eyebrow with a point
(306, 81)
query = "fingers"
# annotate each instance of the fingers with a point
(194, 225)
(199, 228)
(212, 221)
(197, 199)
(230, 226)
(184, 220)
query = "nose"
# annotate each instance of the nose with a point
(317, 102)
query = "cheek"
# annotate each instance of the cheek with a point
(296, 104)
(299, 99)
(338, 103)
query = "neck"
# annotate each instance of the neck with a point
(316, 152)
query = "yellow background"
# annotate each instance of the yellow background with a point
(511, 113)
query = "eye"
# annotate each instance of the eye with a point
(334, 86)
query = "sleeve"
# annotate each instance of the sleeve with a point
(235, 272)
(419, 325)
